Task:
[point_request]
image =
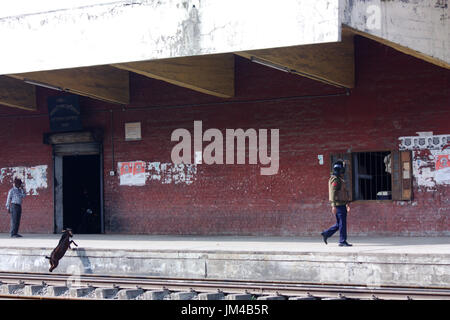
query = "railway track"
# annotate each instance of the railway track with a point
(256, 289)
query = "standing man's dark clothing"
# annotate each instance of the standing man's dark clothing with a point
(339, 199)
(16, 214)
(14, 206)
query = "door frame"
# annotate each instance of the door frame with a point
(58, 181)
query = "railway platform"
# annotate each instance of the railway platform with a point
(372, 261)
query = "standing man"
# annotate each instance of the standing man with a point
(339, 199)
(14, 206)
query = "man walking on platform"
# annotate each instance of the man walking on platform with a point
(339, 199)
(14, 206)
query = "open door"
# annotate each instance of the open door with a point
(78, 187)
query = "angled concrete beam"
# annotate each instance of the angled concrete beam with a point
(398, 47)
(210, 74)
(17, 94)
(418, 28)
(332, 63)
(98, 82)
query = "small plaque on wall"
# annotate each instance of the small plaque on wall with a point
(64, 113)
(133, 131)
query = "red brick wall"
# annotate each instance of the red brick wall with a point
(21, 145)
(396, 95)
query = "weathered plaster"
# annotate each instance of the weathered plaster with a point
(124, 31)
(430, 169)
(34, 178)
(57, 35)
(421, 25)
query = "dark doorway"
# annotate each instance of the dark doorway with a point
(82, 193)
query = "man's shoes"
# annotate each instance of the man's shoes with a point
(345, 244)
(324, 237)
(16, 236)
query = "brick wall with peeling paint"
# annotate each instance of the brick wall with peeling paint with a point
(395, 96)
(22, 150)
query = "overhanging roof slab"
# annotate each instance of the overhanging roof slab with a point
(123, 31)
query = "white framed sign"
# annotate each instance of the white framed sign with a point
(133, 131)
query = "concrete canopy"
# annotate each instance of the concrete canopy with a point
(68, 46)
(129, 31)
(88, 47)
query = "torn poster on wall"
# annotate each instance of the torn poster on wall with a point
(132, 173)
(425, 141)
(431, 154)
(34, 178)
(136, 173)
(172, 173)
(442, 161)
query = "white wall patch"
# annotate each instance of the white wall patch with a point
(431, 159)
(34, 178)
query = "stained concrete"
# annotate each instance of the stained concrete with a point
(105, 293)
(407, 261)
(116, 31)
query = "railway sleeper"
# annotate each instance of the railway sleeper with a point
(138, 293)
(12, 288)
(34, 290)
(100, 293)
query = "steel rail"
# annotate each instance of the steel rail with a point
(36, 297)
(284, 288)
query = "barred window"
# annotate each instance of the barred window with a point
(377, 175)
(372, 175)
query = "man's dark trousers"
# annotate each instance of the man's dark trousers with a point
(16, 212)
(341, 224)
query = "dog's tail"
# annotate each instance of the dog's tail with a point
(47, 257)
